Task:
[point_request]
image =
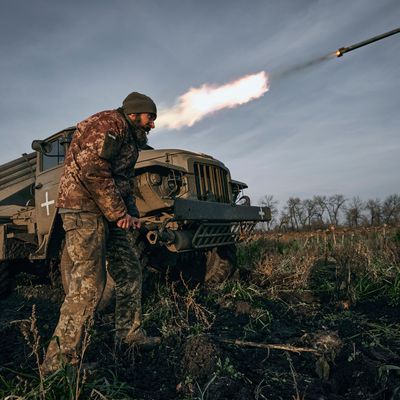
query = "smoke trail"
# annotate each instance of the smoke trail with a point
(283, 73)
(197, 103)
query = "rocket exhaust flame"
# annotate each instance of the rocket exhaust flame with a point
(199, 102)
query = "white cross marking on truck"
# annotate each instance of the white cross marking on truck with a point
(47, 203)
(261, 213)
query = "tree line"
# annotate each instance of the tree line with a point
(320, 212)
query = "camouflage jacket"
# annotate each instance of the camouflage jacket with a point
(99, 167)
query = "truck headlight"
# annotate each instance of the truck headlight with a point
(172, 183)
(155, 179)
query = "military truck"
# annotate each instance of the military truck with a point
(192, 212)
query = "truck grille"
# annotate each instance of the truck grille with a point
(211, 183)
(220, 234)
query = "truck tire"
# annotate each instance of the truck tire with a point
(65, 269)
(220, 264)
(5, 279)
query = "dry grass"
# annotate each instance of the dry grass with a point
(343, 265)
(175, 309)
(353, 263)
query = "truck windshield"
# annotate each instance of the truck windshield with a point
(54, 157)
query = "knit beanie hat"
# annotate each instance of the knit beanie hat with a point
(136, 103)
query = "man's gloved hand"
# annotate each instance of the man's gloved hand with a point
(127, 222)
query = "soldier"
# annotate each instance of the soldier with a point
(97, 206)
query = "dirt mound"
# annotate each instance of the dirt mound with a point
(200, 358)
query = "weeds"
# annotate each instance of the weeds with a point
(32, 337)
(376, 331)
(334, 267)
(226, 368)
(202, 392)
(62, 385)
(69, 382)
(294, 377)
(223, 369)
(176, 309)
(237, 290)
(260, 321)
(366, 263)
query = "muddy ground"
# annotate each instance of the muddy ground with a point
(344, 351)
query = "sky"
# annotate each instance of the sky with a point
(330, 128)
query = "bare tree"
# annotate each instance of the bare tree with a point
(310, 212)
(374, 209)
(354, 211)
(391, 209)
(283, 221)
(294, 212)
(334, 205)
(269, 201)
(321, 208)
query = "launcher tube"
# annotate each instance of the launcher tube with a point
(343, 50)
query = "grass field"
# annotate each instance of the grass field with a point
(306, 316)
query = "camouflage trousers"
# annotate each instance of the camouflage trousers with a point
(89, 239)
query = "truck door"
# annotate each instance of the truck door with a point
(49, 169)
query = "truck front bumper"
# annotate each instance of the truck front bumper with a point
(194, 210)
(217, 224)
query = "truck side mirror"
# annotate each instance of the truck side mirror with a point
(244, 201)
(42, 146)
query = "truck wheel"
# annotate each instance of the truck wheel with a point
(5, 279)
(220, 264)
(65, 269)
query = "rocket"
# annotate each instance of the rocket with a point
(343, 50)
